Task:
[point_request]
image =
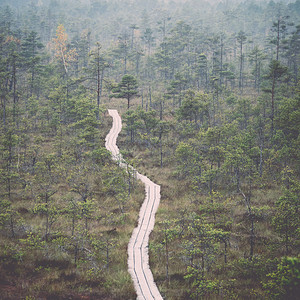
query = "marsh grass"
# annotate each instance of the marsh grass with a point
(46, 269)
(50, 271)
(178, 200)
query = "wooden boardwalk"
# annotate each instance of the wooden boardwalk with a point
(138, 258)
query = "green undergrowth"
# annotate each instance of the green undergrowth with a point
(66, 232)
(202, 246)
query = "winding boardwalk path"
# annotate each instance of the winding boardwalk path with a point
(138, 258)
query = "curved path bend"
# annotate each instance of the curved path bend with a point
(138, 258)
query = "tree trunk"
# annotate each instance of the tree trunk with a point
(251, 236)
(241, 69)
(98, 87)
(161, 155)
(73, 225)
(4, 111)
(167, 257)
(237, 175)
(278, 40)
(12, 226)
(47, 217)
(272, 106)
(14, 89)
(107, 254)
(260, 161)
(225, 252)
(286, 237)
(75, 253)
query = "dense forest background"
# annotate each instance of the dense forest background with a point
(209, 94)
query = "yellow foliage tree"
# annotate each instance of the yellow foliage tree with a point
(60, 46)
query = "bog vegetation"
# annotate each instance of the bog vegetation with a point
(209, 94)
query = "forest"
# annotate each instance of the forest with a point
(209, 95)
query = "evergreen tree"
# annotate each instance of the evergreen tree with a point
(127, 89)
